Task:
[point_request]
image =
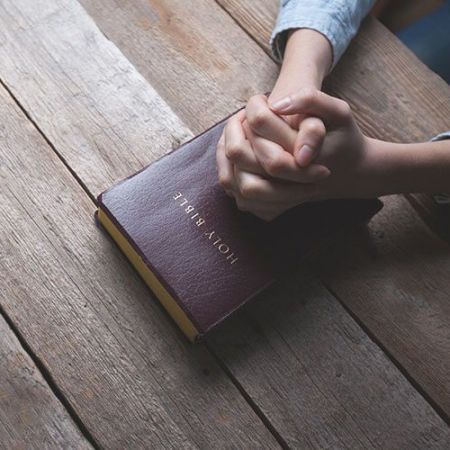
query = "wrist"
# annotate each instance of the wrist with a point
(387, 169)
(307, 60)
(409, 168)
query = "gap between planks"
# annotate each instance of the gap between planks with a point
(372, 336)
(49, 380)
(48, 141)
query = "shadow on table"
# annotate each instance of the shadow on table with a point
(391, 254)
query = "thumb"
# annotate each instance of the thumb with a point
(309, 141)
(313, 102)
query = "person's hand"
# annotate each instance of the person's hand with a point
(307, 58)
(273, 142)
(356, 169)
(304, 136)
(347, 153)
(363, 167)
(240, 166)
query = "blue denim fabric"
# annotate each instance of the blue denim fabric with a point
(337, 20)
(442, 136)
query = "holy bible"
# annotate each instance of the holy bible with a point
(201, 256)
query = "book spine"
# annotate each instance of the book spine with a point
(165, 298)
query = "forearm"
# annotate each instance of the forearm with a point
(408, 168)
(307, 60)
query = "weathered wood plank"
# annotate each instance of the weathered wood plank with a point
(256, 18)
(318, 377)
(30, 414)
(126, 370)
(406, 101)
(55, 41)
(394, 276)
(395, 97)
(89, 99)
(187, 51)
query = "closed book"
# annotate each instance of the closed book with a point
(201, 256)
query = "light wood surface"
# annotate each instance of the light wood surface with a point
(31, 416)
(193, 54)
(350, 354)
(318, 377)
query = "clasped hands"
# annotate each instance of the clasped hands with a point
(305, 147)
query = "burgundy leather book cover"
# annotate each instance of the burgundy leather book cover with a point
(210, 256)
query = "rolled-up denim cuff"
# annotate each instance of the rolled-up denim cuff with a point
(442, 136)
(329, 28)
(337, 20)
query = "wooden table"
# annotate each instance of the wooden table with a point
(351, 350)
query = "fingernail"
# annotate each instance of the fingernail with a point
(323, 173)
(304, 155)
(282, 104)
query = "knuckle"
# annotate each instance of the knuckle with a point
(258, 117)
(233, 152)
(225, 182)
(345, 109)
(273, 165)
(254, 101)
(315, 128)
(248, 190)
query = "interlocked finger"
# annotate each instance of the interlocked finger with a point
(238, 149)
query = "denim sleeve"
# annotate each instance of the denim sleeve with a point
(337, 20)
(442, 136)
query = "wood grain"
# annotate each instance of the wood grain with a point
(187, 52)
(127, 371)
(89, 100)
(395, 96)
(394, 277)
(318, 377)
(118, 312)
(30, 414)
(257, 18)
